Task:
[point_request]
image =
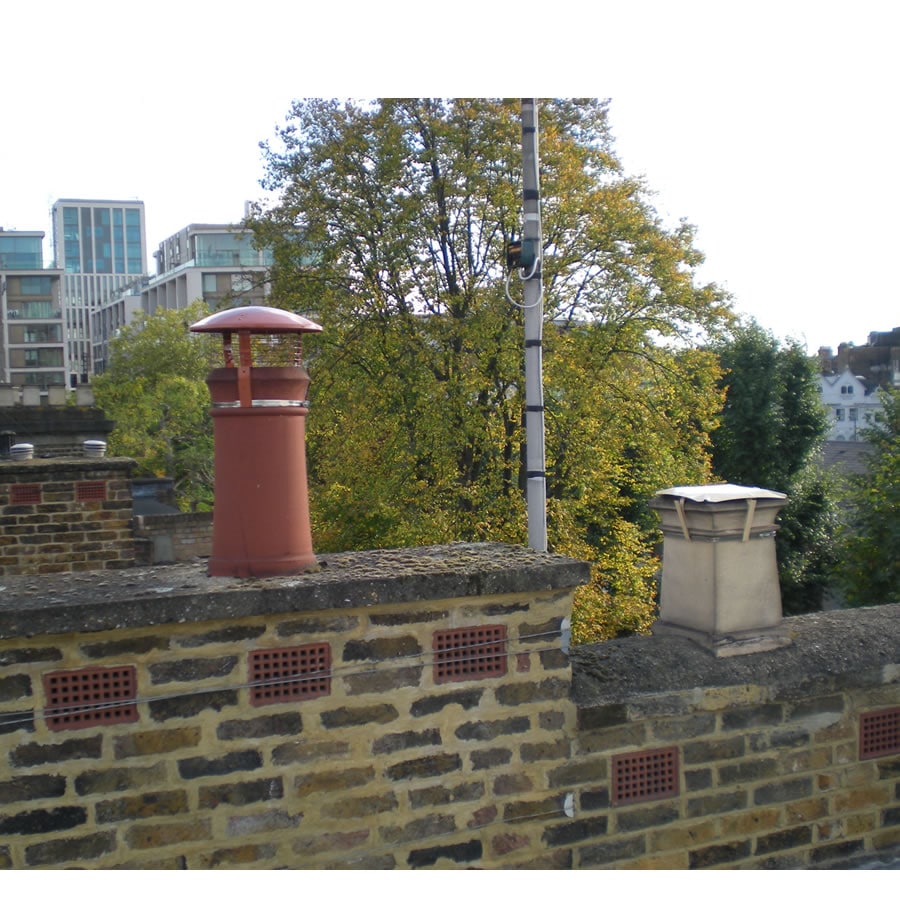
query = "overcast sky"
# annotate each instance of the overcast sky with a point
(771, 126)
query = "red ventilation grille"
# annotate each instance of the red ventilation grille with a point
(85, 697)
(462, 654)
(90, 490)
(290, 673)
(879, 733)
(645, 775)
(24, 493)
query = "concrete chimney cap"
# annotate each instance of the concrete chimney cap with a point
(720, 493)
(257, 320)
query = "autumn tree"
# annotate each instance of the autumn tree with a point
(772, 426)
(870, 546)
(406, 208)
(154, 390)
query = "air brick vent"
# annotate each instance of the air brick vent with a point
(20, 494)
(81, 698)
(879, 733)
(645, 775)
(290, 673)
(90, 490)
(461, 654)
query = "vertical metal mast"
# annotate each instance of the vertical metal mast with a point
(532, 243)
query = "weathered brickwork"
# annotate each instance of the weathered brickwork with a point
(392, 770)
(80, 520)
(167, 538)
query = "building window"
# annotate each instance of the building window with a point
(839, 415)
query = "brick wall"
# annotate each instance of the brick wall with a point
(408, 762)
(65, 515)
(173, 537)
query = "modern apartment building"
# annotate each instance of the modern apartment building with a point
(215, 263)
(32, 348)
(101, 246)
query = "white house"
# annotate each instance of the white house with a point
(854, 405)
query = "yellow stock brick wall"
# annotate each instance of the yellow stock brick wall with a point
(394, 767)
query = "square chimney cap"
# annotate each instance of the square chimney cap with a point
(720, 493)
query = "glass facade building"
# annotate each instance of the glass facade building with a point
(101, 246)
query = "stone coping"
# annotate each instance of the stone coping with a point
(838, 649)
(153, 595)
(41, 467)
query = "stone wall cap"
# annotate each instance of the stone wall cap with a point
(720, 493)
(143, 596)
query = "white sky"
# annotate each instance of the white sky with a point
(771, 126)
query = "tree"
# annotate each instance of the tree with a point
(416, 434)
(870, 545)
(772, 425)
(154, 389)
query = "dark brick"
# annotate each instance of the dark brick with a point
(41, 754)
(435, 703)
(553, 660)
(530, 809)
(32, 787)
(164, 803)
(718, 854)
(38, 821)
(191, 669)
(270, 820)
(593, 717)
(129, 647)
(548, 750)
(5, 858)
(360, 807)
(487, 731)
(383, 681)
(552, 720)
(299, 751)
(584, 772)
(151, 743)
(645, 817)
(681, 729)
(890, 815)
(541, 633)
(709, 751)
(504, 609)
(780, 791)
(391, 743)
(488, 759)
(228, 635)
(517, 693)
(20, 720)
(191, 705)
(513, 783)
(698, 779)
(418, 829)
(200, 766)
(237, 857)
(716, 804)
(748, 770)
(611, 851)
(142, 837)
(54, 853)
(425, 767)
(794, 737)
(344, 717)
(333, 780)
(752, 717)
(262, 726)
(888, 768)
(415, 617)
(438, 795)
(573, 832)
(29, 655)
(591, 800)
(15, 687)
(104, 781)
(832, 704)
(783, 840)
(242, 793)
(460, 853)
(836, 851)
(317, 625)
(379, 649)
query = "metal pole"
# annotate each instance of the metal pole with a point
(532, 240)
